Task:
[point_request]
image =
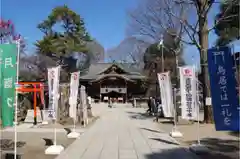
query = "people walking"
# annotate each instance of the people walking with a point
(110, 103)
(149, 105)
(159, 109)
(154, 106)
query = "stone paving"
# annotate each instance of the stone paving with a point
(125, 133)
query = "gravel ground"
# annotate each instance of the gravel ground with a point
(221, 144)
(35, 145)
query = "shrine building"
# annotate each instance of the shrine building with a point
(120, 81)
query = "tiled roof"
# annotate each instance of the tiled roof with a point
(97, 68)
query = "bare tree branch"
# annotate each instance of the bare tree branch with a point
(224, 17)
(159, 16)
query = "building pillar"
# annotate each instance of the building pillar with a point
(100, 86)
(126, 91)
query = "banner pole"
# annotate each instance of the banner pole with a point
(55, 149)
(175, 109)
(16, 101)
(74, 125)
(198, 127)
(175, 133)
(198, 147)
(55, 116)
(54, 103)
(55, 132)
(197, 105)
(74, 84)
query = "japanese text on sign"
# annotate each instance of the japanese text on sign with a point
(8, 74)
(221, 71)
(7, 62)
(188, 89)
(8, 82)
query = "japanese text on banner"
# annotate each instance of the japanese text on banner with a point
(223, 89)
(8, 77)
(222, 81)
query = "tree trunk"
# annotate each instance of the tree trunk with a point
(204, 77)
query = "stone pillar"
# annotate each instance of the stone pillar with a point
(83, 106)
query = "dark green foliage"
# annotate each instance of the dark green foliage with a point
(227, 22)
(171, 49)
(72, 36)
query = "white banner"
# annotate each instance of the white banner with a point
(74, 83)
(83, 98)
(166, 93)
(53, 89)
(188, 92)
(50, 88)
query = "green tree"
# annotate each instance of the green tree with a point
(161, 58)
(153, 17)
(227, 28)
(72, 37)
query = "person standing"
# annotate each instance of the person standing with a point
(110, 102)
(89, 100)
(154, 106)
(159, 109)
(89, 106)
(149, 105)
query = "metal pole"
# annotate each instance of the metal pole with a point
(162, 57)
(55, 132)
(197, 105)
(16, 102)
(156, 83)
(175, 110)
(35, 105)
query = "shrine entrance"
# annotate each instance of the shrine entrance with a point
(115, 96)
(114, 87)
(113, 80)
(35, 87)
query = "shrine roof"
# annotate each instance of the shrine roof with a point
(96, 69)
(112, 75)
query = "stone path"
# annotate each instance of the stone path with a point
(25, 127)
(124, 133)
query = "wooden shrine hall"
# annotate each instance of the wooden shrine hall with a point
(120, 81)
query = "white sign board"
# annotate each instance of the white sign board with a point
(208, 101)
(30, 116)
(188, 92)
(166, 93)
(48, 115)
(74, 83)
(53, 88)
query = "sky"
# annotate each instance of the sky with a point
(105, 20)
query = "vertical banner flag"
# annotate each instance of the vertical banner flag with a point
(53, 87)
(166, 94)
(56, 89)
(50, 87)
(1, 75)
(223, 89)
(74, 83)
(188, 92)
(8, 59)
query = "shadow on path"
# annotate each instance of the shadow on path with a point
(175, 153)
(236, 134)
(182, 153)
(140, 115)
(151, 130)
(221, 145)
(164, 141)
(227, 149)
